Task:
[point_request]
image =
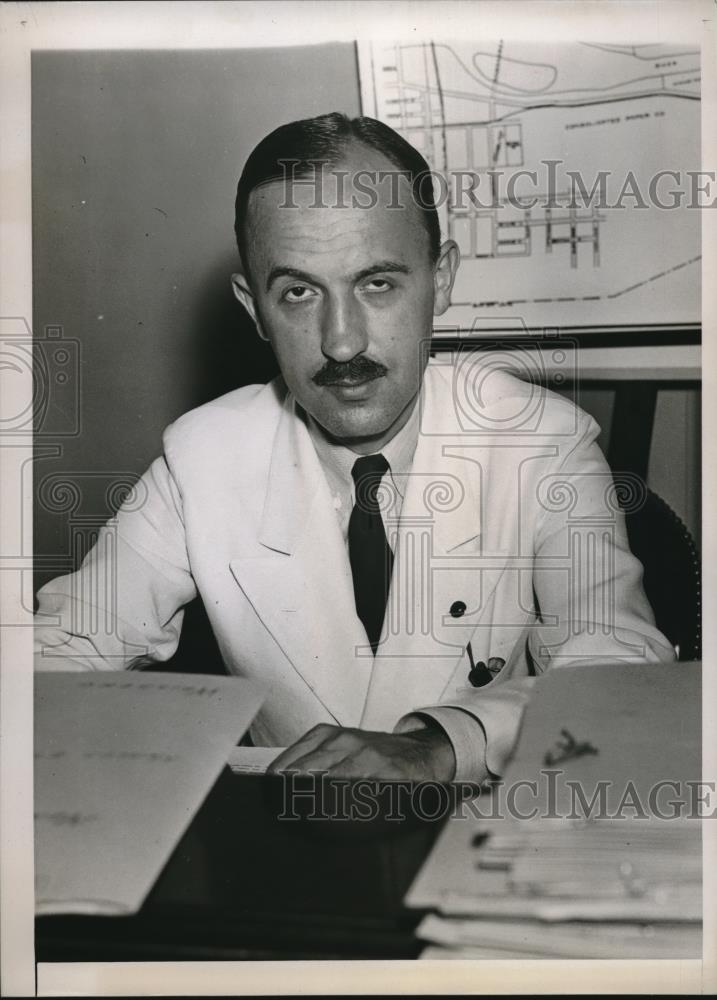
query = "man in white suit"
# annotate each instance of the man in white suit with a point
(394, 548)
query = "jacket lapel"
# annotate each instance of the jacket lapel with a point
(300, 585)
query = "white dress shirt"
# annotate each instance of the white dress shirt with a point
(337, 461)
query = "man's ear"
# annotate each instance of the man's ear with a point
(444, 275)
(243, 293)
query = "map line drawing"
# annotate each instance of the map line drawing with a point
(584, 298)
(612, 110)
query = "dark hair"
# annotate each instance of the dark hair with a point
(325, 138)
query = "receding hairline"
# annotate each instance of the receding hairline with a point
(337, 165)
(327, 139)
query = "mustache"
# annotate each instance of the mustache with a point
(358, 369)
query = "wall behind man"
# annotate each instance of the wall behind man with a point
(136, 156)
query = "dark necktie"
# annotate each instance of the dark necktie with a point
(370, 554)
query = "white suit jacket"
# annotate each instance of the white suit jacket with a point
(510, 510)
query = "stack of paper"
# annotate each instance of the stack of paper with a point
(122, 762)
(591, 848)
(253, 760)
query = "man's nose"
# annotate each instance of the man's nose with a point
(343, 333)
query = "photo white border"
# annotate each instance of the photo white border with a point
(25, 27)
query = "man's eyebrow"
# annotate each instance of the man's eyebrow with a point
(288, 272)
(380, 267)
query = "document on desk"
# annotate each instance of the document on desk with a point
(591, 846)
(253, 760)
(573, 939)
(123, 762)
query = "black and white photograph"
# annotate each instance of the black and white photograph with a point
(353, 603)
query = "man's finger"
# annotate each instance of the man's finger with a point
(305, 744)
(384, 769)
(322, 760)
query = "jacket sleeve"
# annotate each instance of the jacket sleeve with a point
(124, 606)
(591, 607)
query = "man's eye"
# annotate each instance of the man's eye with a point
(378, 285)
(297, 293)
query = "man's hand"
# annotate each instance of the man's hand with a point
(419, 755)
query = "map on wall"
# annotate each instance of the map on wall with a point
(568, 175)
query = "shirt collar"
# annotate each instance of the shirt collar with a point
(337, 460)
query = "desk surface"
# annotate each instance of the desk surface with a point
(245, 883)
(248, 881)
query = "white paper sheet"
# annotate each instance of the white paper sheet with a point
(122, 763)
(575, 939)
(565, 883)
(253, 760)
